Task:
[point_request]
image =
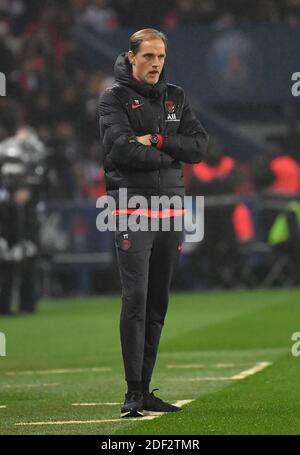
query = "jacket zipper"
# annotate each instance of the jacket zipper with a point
(158, 180)
(159, 129)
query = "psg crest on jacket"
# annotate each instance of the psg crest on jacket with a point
(170, 106)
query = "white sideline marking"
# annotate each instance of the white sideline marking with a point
(96, 404)
(10, 386)
(81, 422)
(200, 379)
(186, 366)
(58, 371)
(242, 375)
(182, 402)
(216, 365)
(2, 406)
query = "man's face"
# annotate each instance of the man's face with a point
(148, 62)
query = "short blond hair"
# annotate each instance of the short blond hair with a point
(146, 34)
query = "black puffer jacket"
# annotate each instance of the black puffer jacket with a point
(132, 108)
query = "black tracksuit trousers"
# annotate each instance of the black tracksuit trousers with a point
(146, 262)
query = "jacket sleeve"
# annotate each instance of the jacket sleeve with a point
(190, 143)
(120, 142)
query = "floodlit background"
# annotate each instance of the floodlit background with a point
(234, 58)
(226, 348)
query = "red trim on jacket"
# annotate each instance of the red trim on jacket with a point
(160, 141)
(167, 213)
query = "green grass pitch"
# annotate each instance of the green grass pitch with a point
(63, 371)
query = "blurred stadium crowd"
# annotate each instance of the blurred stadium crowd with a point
(50, 89)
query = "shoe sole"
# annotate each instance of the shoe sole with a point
(131, 413)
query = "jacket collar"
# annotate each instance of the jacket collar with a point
(123, 76)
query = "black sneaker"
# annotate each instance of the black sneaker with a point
(133, 405)
(153, 404)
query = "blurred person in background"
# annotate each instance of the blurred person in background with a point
(292, 12)
(99, 15)
(22, 171)
(275, 173)
(216, 175)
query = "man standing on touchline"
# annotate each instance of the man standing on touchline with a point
(148, 129)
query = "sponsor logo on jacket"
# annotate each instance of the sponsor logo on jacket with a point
(172, 118)
(136, 104)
